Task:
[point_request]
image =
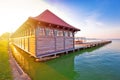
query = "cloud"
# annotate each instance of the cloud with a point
(92, 27)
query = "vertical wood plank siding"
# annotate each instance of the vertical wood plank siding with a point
(45, 45)
(32, 45)
(26, 44)
(50, 44)
(68, 42)
(38, 45)
(59, 43)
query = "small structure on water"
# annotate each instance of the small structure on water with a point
(44, 35)
(79, 40)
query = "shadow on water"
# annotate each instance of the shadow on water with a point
(61, 68)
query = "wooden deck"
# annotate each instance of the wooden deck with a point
(78, 47)
(90, 44)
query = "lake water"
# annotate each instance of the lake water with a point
(98, 63)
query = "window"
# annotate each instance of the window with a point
(49, 32)
(28, 32)
(70, 34)
(55, 32)
(60, 33)
(32, 31)
(41, 31)
(22, 33)
(66, 34)
(25, 33)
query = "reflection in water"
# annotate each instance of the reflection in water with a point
(36, 70)
(98, 63)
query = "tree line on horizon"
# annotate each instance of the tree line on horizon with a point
(5, 36)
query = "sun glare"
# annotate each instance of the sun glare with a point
(13, 17)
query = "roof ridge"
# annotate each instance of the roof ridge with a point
(48, 16)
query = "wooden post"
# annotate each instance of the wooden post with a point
(28, 44)
(35, 41)
(24, 42)
(55, 38)
(66, 52)
(28, 39)
(64, 38)
(73, 41)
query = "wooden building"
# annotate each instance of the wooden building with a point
(44, 35)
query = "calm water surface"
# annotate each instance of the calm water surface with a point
(98, 63)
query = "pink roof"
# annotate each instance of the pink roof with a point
(49, 17)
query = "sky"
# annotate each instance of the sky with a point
(95, 18)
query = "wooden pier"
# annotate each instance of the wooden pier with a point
(77, 48)
(90, 44)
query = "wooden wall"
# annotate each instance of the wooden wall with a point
(32, 45)
(45, 45)
(44, 40)
(69, 42)
(26, 44)
(59, 43)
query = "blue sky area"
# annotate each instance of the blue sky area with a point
(95, 18)
(109, 10)
(103, 12)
